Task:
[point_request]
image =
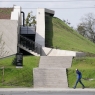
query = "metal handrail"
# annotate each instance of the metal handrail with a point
(31, 45)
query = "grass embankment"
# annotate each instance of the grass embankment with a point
(59, 34)
(87, 66)
(17, 77)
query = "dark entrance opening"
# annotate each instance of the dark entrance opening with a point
(30, 36)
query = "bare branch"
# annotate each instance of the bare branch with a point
(87, 26)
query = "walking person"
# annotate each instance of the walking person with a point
(79, 76)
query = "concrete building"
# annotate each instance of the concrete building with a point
(10, 21)
(20, 38)
(40, 28)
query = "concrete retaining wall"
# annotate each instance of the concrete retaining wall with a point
(9, 29)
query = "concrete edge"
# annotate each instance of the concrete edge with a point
(48, 89)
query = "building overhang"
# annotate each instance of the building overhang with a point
(48, 11)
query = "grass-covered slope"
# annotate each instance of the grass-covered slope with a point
(64, 37)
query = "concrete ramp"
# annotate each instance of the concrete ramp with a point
(50, 78)
(55, 62)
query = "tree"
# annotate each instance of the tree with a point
(30, 20)
(87, 27)
(2, 51)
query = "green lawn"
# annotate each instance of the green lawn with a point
(17, 77)
(87, 66)
(23, 77)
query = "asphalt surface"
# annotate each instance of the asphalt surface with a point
(46, 91)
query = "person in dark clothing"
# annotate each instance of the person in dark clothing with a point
(79, 76)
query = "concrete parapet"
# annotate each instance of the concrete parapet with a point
(57, 52)
(16, 14)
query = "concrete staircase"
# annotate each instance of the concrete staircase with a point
(30, 51)
(52, 72)
(29, 46)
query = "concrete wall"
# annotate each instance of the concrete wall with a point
(16, 15)
(40, 27)
(9, 30)
(58, 52)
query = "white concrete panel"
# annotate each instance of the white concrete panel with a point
(16, 14)
(9, 29)
(58, 52)
(40, 27)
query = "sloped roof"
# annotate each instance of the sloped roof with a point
(5, 13)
